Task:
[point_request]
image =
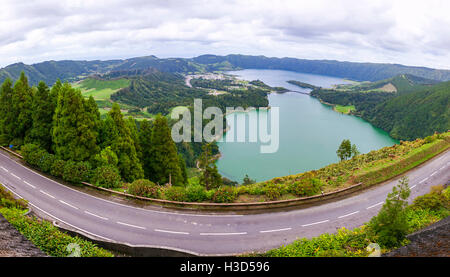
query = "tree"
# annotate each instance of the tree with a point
(182, 164)
(117, 135)
(7, 115)
(247, 180)
(355, 151)
(145, 137)
(210, 177)
(21, 108)
(390, 226)
(75, 131)
(164, 164)
(345, 150)
(42, 116)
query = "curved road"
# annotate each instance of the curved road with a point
(204, 234)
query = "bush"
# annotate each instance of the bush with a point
(76, 172)
(273, 191)
(107, 177)
(8, 200)
(144, 188)
(196, 193)
(57, 169)
(175, 193)
(434, 201)
(32, 154)
(306, 187)
(48, 238)
(46, 162)
(224, 195)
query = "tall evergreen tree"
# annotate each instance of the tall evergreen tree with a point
(74, 132)
(117, 135)
(42, 115)
(210, 177)
(164, 163)
(22, 108)
(183, 169)
(7, 117)
(131, 124)
(145, 137)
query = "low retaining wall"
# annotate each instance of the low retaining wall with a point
(239, 206)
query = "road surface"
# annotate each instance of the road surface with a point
(203, 233)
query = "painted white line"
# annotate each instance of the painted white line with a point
(49, 195)
(67, 204)
(29, 184)
(442, 168)
(373, 206)
(315, 223)
(68, 224)
(101, 217)
(276, 230)
(222, 234)
(4, 169)
(15, 176)
(130, 225)
(413, 187)
(433, 173)
(342, 216)
(171, 232)
(118, 204)
(423, 180)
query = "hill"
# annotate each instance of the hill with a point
(417, 108)
(50, 71)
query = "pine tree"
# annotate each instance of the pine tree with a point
(164, 163)
(117, 135)
(74, 133)
(131, 124)
(210, 177)
(42, 115)
(21, 108)
(7, 116)
(183, 169)
(145, 137)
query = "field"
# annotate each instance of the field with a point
(344, 109)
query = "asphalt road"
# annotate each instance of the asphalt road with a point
(203, 233)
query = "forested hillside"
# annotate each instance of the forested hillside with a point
(49, 71)
(415, 109)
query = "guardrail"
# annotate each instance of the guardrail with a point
(238, 206)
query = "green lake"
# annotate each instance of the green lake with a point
(309, 131)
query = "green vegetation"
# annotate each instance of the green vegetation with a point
(302, 84)
(418, 107)
(388, 229)
(42, 233)
(346, 150)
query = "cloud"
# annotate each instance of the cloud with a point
(407, 32)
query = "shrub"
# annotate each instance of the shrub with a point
(8, 200)
(272, 191)
(224, 195)
(175, 193)
(434, 201)
(46, 162)
(57, 169)
(196, 193)
(76, 172)
(32, 153)
(48, 238)
(16, 143)
(106, 176)
(144, 188)
(306, 187)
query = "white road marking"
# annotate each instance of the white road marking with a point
(373, 206)
(4, 169)
(123, 205)
(171, 232)
(49, 195)
(222, 234)
(413, 187)
(101, 217)
(342, 216)
(442, 168)
(29, 184)
(130, 225)
(276, 230)
(67, 204)
(433, 173)
(15, 176)
(305, 225)
(423, 180)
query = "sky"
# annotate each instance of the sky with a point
(407, 32)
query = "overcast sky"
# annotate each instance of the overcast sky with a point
(406, 32)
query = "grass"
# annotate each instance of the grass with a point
(100, 89)
(344, 109)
